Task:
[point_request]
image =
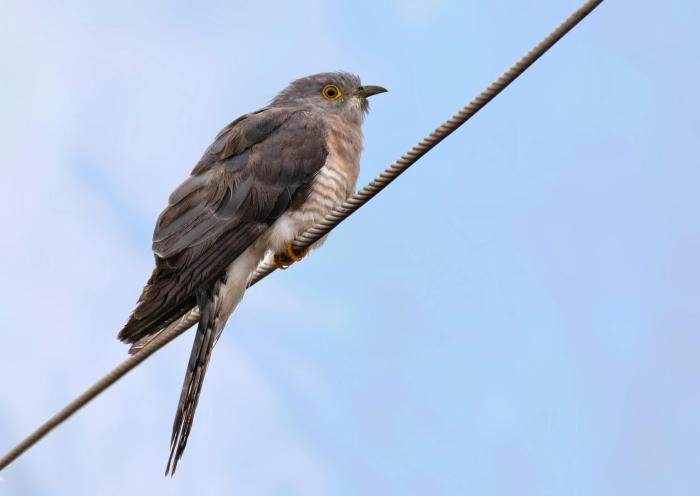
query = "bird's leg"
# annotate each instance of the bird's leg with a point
(283, 261)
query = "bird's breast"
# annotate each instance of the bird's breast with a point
(336, 180)
(333, 184)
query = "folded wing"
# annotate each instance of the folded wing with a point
(259, 166)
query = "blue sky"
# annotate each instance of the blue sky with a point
(515, 315)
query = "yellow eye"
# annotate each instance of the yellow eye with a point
(331, 92)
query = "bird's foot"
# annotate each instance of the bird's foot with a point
(284, 260)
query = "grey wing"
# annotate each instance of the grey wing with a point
(256, 168)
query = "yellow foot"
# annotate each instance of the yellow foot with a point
(283, 261)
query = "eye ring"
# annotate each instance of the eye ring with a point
(331, 92)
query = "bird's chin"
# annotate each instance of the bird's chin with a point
(364, 105)
(356, 108)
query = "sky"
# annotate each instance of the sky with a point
(517, 314)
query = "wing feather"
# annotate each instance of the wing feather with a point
(245, 180)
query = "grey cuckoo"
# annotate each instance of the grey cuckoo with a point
(268, 176)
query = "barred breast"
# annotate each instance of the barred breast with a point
(333, 184)
(337, 178)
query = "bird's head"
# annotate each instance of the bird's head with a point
(337, 92)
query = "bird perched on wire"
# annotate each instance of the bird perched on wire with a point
(266, 178)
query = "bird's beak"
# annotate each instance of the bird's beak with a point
(367, 91)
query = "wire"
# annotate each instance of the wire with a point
(318, 230)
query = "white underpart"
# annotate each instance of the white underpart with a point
(334, 183)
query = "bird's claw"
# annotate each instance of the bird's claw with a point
(283, 261)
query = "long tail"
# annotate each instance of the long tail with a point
(210, 324)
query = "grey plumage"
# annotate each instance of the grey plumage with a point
(207, 329)
(246, 179)
(266, 177)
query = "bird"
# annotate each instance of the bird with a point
(266, 178)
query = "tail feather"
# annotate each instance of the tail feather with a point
(209, 328)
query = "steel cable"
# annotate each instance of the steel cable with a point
(320, 229)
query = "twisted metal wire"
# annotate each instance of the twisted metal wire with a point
(318, 230)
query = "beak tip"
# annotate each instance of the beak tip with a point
(367, 91)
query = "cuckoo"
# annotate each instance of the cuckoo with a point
(267, 177)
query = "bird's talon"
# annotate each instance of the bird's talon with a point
(293, 256)
(283, 261)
